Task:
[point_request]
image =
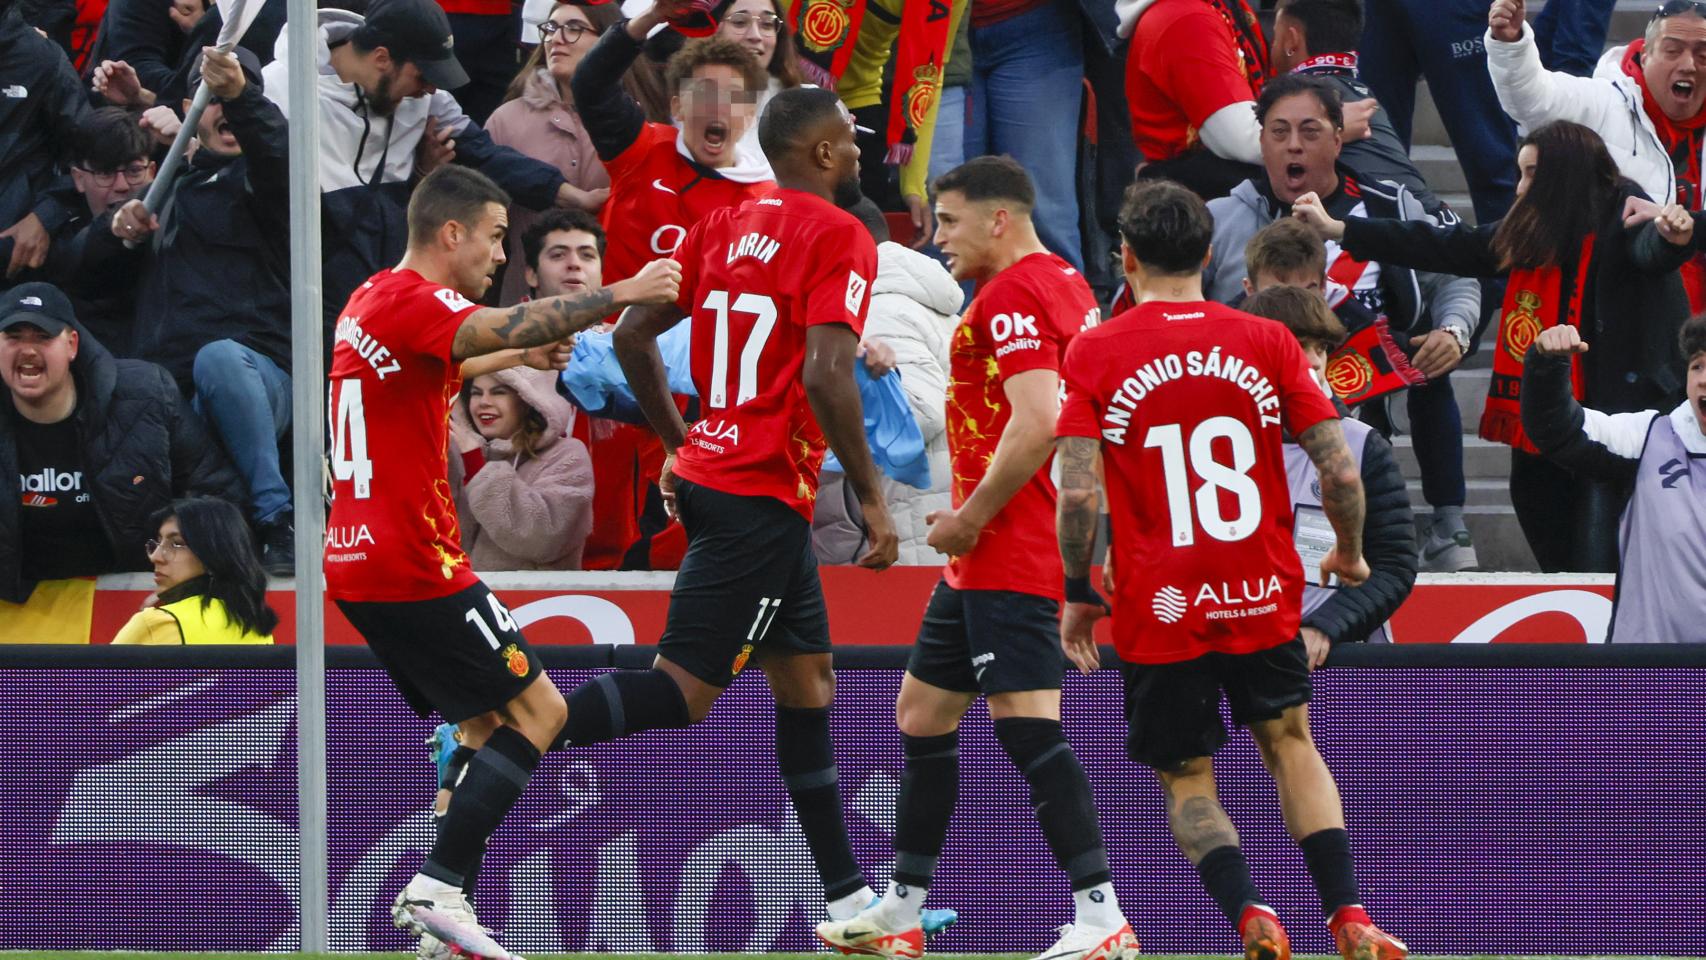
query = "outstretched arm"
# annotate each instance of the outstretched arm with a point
(1341, 499)
(538, 322)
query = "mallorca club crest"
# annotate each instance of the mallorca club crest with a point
(824, 25)
(741, 658)
(514, 659)
(926, 81)
(1522, 328)
(1349, 375)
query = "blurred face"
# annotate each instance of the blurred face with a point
(1527, 159)
(1697, 389)
(966, 234)
(174, 562)
(1675, 67)
(476, 251)
(1308, 280)
(35, 366)
(570, 37)
(214, 132)
(105, 189)
(1299, 147)
(753, 24)
(495, 409)
(714, 109)
(186, 14)
(568, 263)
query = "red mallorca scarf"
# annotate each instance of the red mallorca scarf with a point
(918, 64)
(1247, 35)
(824, 32)
(1534, 300)
(1683, 141)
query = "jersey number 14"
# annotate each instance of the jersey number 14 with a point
(349, 436)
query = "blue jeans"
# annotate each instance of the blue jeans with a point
(1571, 34)
(948, 149)
(1402, 39)
(1026, 91)
(246, 398)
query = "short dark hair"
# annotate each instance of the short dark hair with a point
(109, 138)
(868, 213)
(1329, 26)
(991, 178)
(720, 51)
(1692, 338)
(1303, 312)
(1166, 226)
(552, 220)
(450, 193)
(1292, 84)
(1282, 248)
(217, 534)
(790, 115)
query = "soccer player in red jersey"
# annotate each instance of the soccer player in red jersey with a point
(992, 624)
(393, 561)
(1182, 404)
(776, 292)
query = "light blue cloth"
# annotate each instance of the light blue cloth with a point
(595, 383)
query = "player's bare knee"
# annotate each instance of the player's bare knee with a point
(1285, 738)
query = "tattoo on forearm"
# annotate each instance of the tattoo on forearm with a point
(1341, 480)
(531, 324)
(1076, 520)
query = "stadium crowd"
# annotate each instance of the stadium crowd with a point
(147, 349)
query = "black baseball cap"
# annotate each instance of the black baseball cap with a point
(418, 32)
(38, 304)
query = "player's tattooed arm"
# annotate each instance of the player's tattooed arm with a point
(1078, 502)
(1341, 482)
(635, 341)
(539, 322)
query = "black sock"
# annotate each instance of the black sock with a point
(1226, 875)
(1060, 794)
(471, 875)
(495, 779)
(929, 787)
(1327, 853)
(617, 704)
(459, 758)
(806, 758)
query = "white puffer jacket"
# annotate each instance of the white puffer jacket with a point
(914, 309)
(1608, 103)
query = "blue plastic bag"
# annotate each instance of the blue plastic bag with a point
(897, 445)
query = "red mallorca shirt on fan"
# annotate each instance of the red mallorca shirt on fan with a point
(392, 533)
(1188, 401)
(1020, 320)
(752, 280)
(656, 195)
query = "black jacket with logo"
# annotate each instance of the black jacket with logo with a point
(144, 447)
(41, 102)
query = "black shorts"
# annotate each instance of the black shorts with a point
(1172, 710)
(748, 582)
(460, 655)
(988, 641)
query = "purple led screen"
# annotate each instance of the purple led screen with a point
(1537, 811)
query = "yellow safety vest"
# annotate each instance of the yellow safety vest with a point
(200, 625)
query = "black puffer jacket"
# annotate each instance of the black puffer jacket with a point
(1389, 546)
(41, 103)
(145, 446)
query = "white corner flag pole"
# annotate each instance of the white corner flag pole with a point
(308, 430)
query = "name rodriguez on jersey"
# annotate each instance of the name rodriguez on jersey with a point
(1195, 363)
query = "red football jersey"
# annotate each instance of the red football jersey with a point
(752, 280)
(1188, 400)
(392, 532)
(1020, 320)
(1182, 67)
(656, 194)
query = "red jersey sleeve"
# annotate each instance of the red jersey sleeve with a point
(1194, 61)
(437, 312)
(842, 293)
(1079, 410)
(1019, 323)
(1302, 404)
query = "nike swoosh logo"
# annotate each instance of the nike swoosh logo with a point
(658, 183)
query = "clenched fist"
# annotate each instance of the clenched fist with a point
(657, 282)
(1505, 19)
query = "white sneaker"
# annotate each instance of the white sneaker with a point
(1092, 943)
(446, 924)
(866, 934)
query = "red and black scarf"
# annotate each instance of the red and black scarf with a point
(1683, 141)
(1247, 35)
(1534, 300)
